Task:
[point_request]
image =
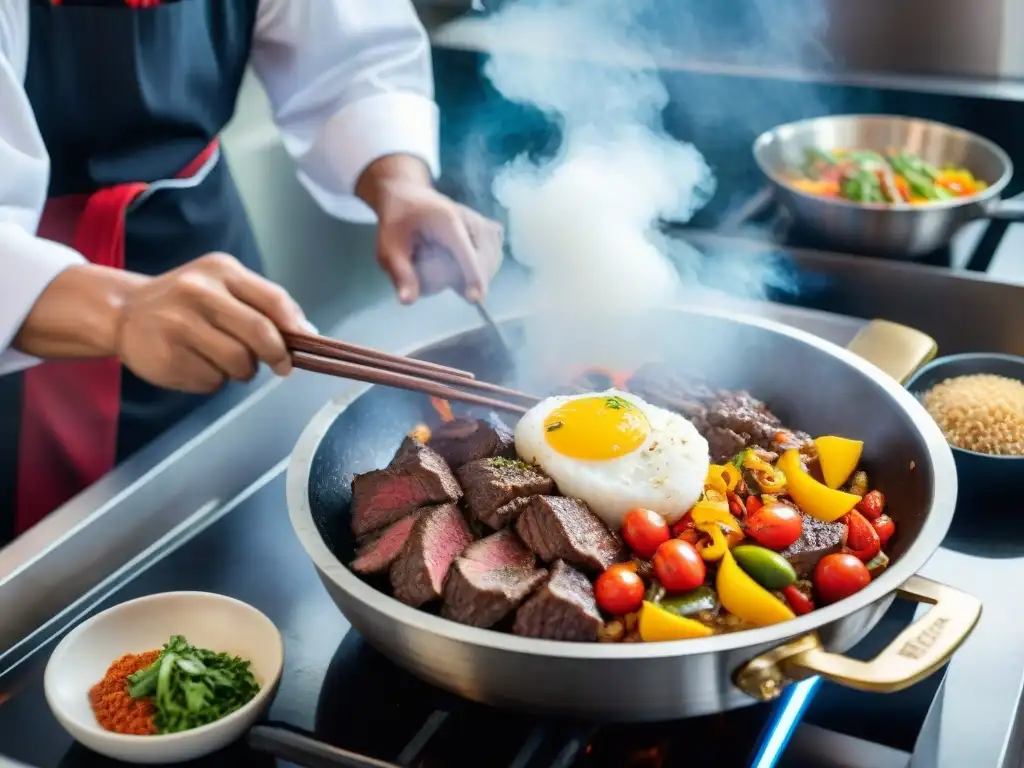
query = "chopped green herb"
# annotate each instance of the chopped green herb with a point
(192, 686)
(617, 403)
(554, 425)
(500, 462)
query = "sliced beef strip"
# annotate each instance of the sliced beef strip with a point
(438, 537)
(563, 609)
(377, 554)
(490, 579)
(416, 477)
(557, 527)
(461, 441)
(817, 539)
(729, 420)
(490, 484)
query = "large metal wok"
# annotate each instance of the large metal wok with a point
(813, 385)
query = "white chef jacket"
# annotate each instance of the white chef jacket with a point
(349, 81)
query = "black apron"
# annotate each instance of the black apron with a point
(129, 102)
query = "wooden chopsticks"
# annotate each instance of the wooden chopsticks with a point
(351, 361)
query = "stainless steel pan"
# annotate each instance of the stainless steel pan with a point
(813, 385)
(905, 231)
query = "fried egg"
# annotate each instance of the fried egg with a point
(614, 451)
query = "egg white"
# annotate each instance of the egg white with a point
(665, 474)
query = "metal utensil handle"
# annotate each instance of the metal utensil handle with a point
(294, 746)
(1006, 210)
(897, 349)
(917, 652)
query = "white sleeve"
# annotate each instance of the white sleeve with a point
(27, 264)
(349, 81)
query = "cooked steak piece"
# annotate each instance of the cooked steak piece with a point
(416, 477)
(563, 609)
(661, 385)
(490, 484)
(438, 536)
(377, 554)
(461, 441)
(490, 579)
(817, 539)
(407, 453)
(557, 527)
(730, 421)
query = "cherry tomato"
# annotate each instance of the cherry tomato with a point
(619, 590)
(885, 528)
(775, 525)
(798, 601)
(872, 505)
(838, 576)
(685, 524)
(862, 539)
(678, 566)
(753, 504)
(644, 531)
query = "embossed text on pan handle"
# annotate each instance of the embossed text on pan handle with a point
(917, 652)
(897, 349)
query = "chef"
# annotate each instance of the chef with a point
(129, 277)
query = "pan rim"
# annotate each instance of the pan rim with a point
(936, 524)
(991, 192)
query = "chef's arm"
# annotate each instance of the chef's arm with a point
(351, 88)
(51, 301)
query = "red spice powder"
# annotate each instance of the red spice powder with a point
(115, 710)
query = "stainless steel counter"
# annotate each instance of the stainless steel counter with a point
(159, 500)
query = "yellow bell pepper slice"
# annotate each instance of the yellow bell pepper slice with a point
(744, 597)
(722, 478)
(817, 500)
(838, 457)
(714, 480)
(713, 512)
(719, 545)
(658, 625)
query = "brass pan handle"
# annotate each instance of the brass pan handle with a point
(917, 652)
(897, 349)
(924, 646)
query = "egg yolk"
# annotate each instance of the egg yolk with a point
(596, 428)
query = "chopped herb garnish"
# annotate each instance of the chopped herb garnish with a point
(617, 403)
(192, 686)
(554, 425)
(500, 462)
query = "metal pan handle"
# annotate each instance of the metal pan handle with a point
(917, 652)
(1006, 210)
(294, 746)
(924, 646)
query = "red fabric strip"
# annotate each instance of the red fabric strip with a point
(68, 437)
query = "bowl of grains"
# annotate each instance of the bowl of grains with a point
(165, 678)
(978, 402)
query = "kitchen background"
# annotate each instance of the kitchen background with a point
(733, 68)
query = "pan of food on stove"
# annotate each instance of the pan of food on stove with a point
(882, 184)
(647, 547)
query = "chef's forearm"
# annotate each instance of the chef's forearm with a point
(77, 314)
(373, 183)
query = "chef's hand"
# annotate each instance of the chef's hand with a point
(195, 327)
(427, 242)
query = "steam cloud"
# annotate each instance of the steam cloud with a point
(586, 220)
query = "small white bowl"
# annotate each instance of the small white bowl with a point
(211, 621)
